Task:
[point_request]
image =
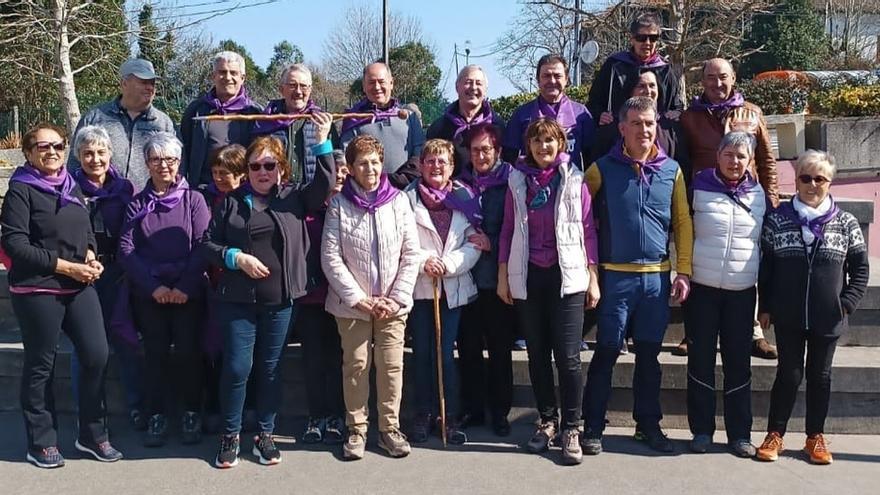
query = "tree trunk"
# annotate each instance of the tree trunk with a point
(63, 70)
(677, 20)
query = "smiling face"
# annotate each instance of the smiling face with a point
(95, 160)
(228, 79)
(471, 88)
(544, 149)
(814, 183)
(647, 86)
(484, 153)
(645, 42)
(225, 180)
(163, 169)
(639, 130)
(296, 89)
(718, 80)
(552, 81)
(733, 161)
(137, 93)
(262, 179)
(367, 170)
(47, 152)
(378, 84)
(436, 169)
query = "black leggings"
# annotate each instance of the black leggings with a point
(791, 344)
(322, 353)
(42, 317)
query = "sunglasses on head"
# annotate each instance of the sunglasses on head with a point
(267, 166)
(641, 38)
(44, 146)
(818, 179)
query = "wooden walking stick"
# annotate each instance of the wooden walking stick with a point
(402, 114)
(437, 334)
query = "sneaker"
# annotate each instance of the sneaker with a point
(314, 431)
(157, 430)
(519, 345)
(136, 420)
(394, 442)
(421, 428)
(501, 426)
(571, 447)
(455, 435)
(817, 449)
(334, 430)
(544, 434)
(46, 458)
(191, 428)
(265, 449)
(591, 444)
(763, 349)
(742, 448)
(681, 349)
(700, 443)
(103, 451)
(227, 456)
(770, 449)
(656, 439)
(354, 446)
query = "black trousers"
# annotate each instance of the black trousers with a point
(42, 317)
(162, 325)
(712, 315)
(486, 323)
(552, 326)
(322, 353)
(791, 344)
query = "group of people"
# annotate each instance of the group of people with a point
(225, 241)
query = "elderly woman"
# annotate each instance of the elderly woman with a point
(107, 196)
(258, 235)
(728, 208)
(446, 213)
(47, 235)
(157, 249)
(814, 272)
(548, 270)
(370, 255)
(487, 322)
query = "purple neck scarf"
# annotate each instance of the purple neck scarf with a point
(651, 165)
(816, 225)
(384, 194)
(495, 177)
(235, 104)
(541, 182)
(61, 185)
(562, 112)
(279, 106)
(457, 196)
(711, 180)
(484, 114)
(171, 199)
(366, 106)
(115, 186)
(701, 103)
(630, 58)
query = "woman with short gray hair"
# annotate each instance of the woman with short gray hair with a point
(157, 247)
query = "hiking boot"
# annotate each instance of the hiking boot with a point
(103, 451)
(544, 434)
(394, 442)
(354, 446)
(191, 428)
(314, 431)
(700, 443)
(591, 444)
(681, 349)
(501, 426)
(227, 456)
(334, 429)
(817, 449)
(742, 448)
(763, 349)
(265, 449)
(770, 449)
(571, 447)
(656, 439)
(421, 428)
(157, 430)
(46, 458)
(137, 420)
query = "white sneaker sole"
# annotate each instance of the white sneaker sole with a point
(263, 460)
(33, 460)
(82, 448)
(221, 465)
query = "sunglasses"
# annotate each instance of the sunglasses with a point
(44, 146)
(641, 38)
(818, 179)
(267, 166)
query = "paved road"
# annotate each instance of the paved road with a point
(483, 466)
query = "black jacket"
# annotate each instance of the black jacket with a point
(443, 128)
(625, 76)
(288, 207)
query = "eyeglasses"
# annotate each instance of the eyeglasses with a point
(818, 179)
(156, 161)
(267, 166)
(485, 150)
(641, 38)
(44, 146)
(301, 87)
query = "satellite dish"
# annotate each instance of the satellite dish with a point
(589, 52)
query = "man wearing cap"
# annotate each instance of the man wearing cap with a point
(130, 119)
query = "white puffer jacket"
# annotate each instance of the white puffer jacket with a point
(727, 239)
(346, 254)
(457, 254)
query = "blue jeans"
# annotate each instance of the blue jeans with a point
(252, 334)
(424, 345)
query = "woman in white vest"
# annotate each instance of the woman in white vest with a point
(446, 212)
(547, 268)
(729, 206)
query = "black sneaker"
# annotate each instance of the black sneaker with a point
(265, 449)
(544, 434)
(103, 451)
(157, 430)
(227, 456)
(656, 439)
(421, 429)
(501, 426)
(191, 429)
(137, 420)
(46, 458)
(591, 444)
(314, 431)
(334, 430)
(455, 435)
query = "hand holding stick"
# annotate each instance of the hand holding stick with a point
(402, 114)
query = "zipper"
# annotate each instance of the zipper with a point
(810, 257)
(732, 222)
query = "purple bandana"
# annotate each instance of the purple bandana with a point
(816, 225)
(278, 106)
(366, 106)
(562, 112)
(384, 194)
(701, 103)
(171, 198)
(458, 196)
(652, 165)
(495, 177)
(710, 180)
(630, 58)
(61, 185)
(541, 182)
(235, 104)
(115, 188)
(485, 114)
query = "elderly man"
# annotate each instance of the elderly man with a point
(713, 114)
(130, 119)
(552, 102)
(470, 109)
(402, 139)
(639, 195)
(298, 135)
(228, 96)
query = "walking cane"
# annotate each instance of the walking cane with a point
(437, 336)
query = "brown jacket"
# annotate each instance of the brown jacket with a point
(704, 130)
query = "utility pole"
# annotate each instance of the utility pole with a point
(456, 57)
(576, 63)
(385, 32)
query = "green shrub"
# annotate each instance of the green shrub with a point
(776, 96)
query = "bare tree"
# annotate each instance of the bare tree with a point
(849, 22)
